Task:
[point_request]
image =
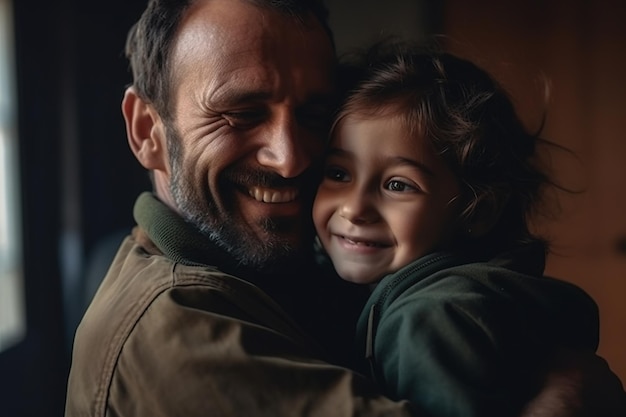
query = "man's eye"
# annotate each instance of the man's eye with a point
(399, 186)
(336, 174)
(244, 118)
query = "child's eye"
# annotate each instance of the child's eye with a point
(336, 174)
(399, 186)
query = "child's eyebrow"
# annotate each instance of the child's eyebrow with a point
(395, 160)
(400, 160)
(338, 152)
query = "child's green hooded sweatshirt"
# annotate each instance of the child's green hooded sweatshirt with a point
(463, 337)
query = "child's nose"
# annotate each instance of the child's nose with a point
(358, 208)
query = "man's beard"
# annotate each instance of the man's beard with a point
(225, 229)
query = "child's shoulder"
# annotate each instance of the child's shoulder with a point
(491, 293)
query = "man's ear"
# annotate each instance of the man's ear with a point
(145, 131)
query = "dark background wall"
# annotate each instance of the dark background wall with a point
(79, 179)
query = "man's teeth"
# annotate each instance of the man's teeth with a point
(272, 196)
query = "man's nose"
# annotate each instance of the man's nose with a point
(288, 149)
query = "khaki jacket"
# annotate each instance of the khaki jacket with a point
(162, 338)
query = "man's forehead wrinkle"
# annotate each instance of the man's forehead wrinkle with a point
(238, 77)
(231, 91)
(238, 62)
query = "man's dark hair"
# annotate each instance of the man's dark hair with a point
(149, 42)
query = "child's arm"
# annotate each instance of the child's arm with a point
(460, 348)
(451, 359)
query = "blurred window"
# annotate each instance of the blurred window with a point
(12, 320)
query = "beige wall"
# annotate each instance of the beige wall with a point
(581, 47)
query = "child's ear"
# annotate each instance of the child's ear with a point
(145, 131)
(488, 211)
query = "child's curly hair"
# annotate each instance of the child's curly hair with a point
(471, 122)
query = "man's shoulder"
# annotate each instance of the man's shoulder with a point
(138, 278)
(149, 307)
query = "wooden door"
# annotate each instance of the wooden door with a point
(580, 46)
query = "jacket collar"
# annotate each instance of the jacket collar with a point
(182, 242)
(172, 235)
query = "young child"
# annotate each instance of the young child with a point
(427, 186)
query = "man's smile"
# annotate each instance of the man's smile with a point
(270, 195)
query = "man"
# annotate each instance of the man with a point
(228, 111)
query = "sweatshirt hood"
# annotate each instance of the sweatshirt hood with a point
(563, 312)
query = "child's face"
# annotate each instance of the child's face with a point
(386, 199)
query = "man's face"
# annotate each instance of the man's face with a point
(251, 93)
